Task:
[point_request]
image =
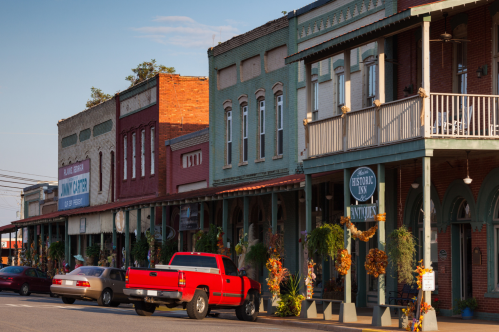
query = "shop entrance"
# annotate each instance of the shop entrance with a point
(462, 269)
(465, 261)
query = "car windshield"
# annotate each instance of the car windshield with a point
(12, 269)
(88, 271)
(191, 260)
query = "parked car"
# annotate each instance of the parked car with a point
(24, 280)
(91, 283)
(198, 282)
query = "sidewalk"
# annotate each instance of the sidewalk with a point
(364, 316)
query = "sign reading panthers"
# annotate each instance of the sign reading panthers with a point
(74, 185)
(362, 184)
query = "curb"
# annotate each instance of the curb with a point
(306, 325)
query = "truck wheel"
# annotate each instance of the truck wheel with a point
(197, 308)
(247, 311)
(144, 309)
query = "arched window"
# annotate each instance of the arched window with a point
(433, 213)
(228, 137)
(464, 212)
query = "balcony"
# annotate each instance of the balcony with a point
(450, 116)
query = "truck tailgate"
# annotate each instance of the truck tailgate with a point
(144, 278)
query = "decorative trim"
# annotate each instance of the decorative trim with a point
(244, 163)
(139, 88)
(242, 99)
(338, 63)
(454, 195)
(368, 53)
(138, 110)
(260, 93)
(277, 157)
(227, 167)
(278, 87)
(227, 103)
(261, 160)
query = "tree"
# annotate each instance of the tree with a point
(147, 70)
(97, 97)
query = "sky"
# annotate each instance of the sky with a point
(53, 51)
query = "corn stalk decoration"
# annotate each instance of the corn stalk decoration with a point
(150, 255)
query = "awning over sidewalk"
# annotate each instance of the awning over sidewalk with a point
(7, 229)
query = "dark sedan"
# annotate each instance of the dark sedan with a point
(24, 280)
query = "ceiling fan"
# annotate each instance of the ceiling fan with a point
(447, 37)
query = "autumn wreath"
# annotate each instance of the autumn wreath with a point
(343, 261)
(376, 262)
(363, 236)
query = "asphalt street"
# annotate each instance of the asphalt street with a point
(43, 313)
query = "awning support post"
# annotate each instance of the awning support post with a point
(139, 224)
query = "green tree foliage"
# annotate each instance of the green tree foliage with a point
(257, 254)
(146, 70)
(326, 240)
(56, 250)
(140, 249)
(93, 250)
(401, 250)
(97, 97)
(208, 241)
(168, 250)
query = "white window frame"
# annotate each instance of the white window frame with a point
(315, 105)
(245, 134)
(280, 120)
(340, 89)
(134, 140)
(153, 132)
(261, 135)
(125, 154)
(370, 83)
(229, 138)
(143, 153)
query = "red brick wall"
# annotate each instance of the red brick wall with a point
(443, 173)
(182, 107)
(479, 54)
(177, 175)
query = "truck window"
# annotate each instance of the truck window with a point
(198, 261)
(230, 267)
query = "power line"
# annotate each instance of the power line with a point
(27, 184)
(19, 178)
(43, 176)
(11, 187)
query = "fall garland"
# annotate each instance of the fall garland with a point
(222, 250)
(363, 236)
(376, 262)
(343, 261)
(309, 281)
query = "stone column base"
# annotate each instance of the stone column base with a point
(348, 313)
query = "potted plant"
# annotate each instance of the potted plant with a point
(401, 249)
(466, 308)
(291, 299)
(92, 252)
(325, 240)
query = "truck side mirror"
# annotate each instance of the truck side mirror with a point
(242, 273)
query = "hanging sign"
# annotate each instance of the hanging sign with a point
(363, 212)
(362, 183)
(188, 217)
(120, 222)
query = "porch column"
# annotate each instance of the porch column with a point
(114, 230)
(66, 241)
(50, 234)
(78, 252)
(308, 101)
(127, 238)
(57, 231)
(308, 203)
(69, 252)
(101, 241)
(427, 219)
(246, 217)
(42, 237)
(348, 312)
(348, 95)
(90, 240)
(152, 221)
(163, 224)
(22, 237)
(139, 224)
(35, 238)
(426, 72)
(381, 228)
(274, 213)
(201, 215)
(225, 219)
(380, 68)
(10, 248)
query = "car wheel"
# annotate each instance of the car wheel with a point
(105, 298)
(198, 306)
(248, 311)
(114, 304)
(144, 309)
(24, 291)
(68, 300)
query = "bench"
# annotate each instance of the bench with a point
(309, 308)
(405, 295)
(382, 316)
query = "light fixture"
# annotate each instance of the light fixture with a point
(302, 199)
(329, 197)
(467, 180)
(415, 185)
(479, 72)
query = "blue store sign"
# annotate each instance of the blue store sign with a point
(362, 183)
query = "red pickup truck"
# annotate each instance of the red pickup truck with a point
(198, 282)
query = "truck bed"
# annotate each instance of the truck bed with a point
(189, 268)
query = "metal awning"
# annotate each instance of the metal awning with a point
(386, 27)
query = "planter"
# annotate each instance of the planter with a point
(467, 313)
(272, 305)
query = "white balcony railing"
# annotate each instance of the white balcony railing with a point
(467, 116)
(393, 122)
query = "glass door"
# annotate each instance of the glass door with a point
(466, 262)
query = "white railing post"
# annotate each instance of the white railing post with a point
(425, 26)
(380, 91)
(308, 97)
(348, 99)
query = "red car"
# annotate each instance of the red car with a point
(24, 280)
(198, 282)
